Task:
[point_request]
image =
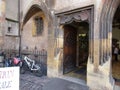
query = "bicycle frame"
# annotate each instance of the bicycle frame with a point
(31, 63)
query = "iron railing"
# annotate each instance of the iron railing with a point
(40, 56)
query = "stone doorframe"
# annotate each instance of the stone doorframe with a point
(79, 15)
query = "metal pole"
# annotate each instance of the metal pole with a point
(19, 28)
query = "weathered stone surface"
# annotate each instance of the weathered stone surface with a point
(100, 40)
(30, 82)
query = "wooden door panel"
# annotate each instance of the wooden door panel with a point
(70, 35)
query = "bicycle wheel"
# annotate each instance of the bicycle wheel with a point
(22, 67)
(38, 72)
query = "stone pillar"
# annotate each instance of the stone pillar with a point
(93, 59)
(52, 63)
(2, 21)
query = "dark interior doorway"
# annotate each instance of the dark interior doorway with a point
(76, 48)
(116, 44)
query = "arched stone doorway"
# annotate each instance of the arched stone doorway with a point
(106, 19)
(68, 50)
(75, 49)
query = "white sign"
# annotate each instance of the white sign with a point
(9, 78)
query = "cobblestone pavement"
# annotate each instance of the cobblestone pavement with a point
(30, 82)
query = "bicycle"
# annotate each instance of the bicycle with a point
(31, 65)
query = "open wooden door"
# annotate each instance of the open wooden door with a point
(70, 41)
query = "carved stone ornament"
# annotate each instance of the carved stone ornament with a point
(77, 17)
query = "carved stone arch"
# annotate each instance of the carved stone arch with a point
(103, 36)
(33, 7)
(109, 8)
(77, 17)
(40, 5)
(110, 18)
(113, 9)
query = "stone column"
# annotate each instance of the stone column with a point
(94, 44)
(2, 21)
(52, 63)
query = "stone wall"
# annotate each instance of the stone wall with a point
(30, 41)
(66, 5)
(2, 21)
(96, 72)
(11, 16)
(12, 9)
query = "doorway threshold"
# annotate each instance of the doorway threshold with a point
(73, 79)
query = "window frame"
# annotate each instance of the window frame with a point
(39, 24)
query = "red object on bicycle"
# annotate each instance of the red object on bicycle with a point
(16, 61)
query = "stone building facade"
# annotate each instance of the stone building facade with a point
(62, 23)
(9, 24)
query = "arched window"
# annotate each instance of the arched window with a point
(39, 25)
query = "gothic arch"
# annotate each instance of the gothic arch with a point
(34, 7)
(40, 5)
(107, 14)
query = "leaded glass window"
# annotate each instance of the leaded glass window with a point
(39, 25)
